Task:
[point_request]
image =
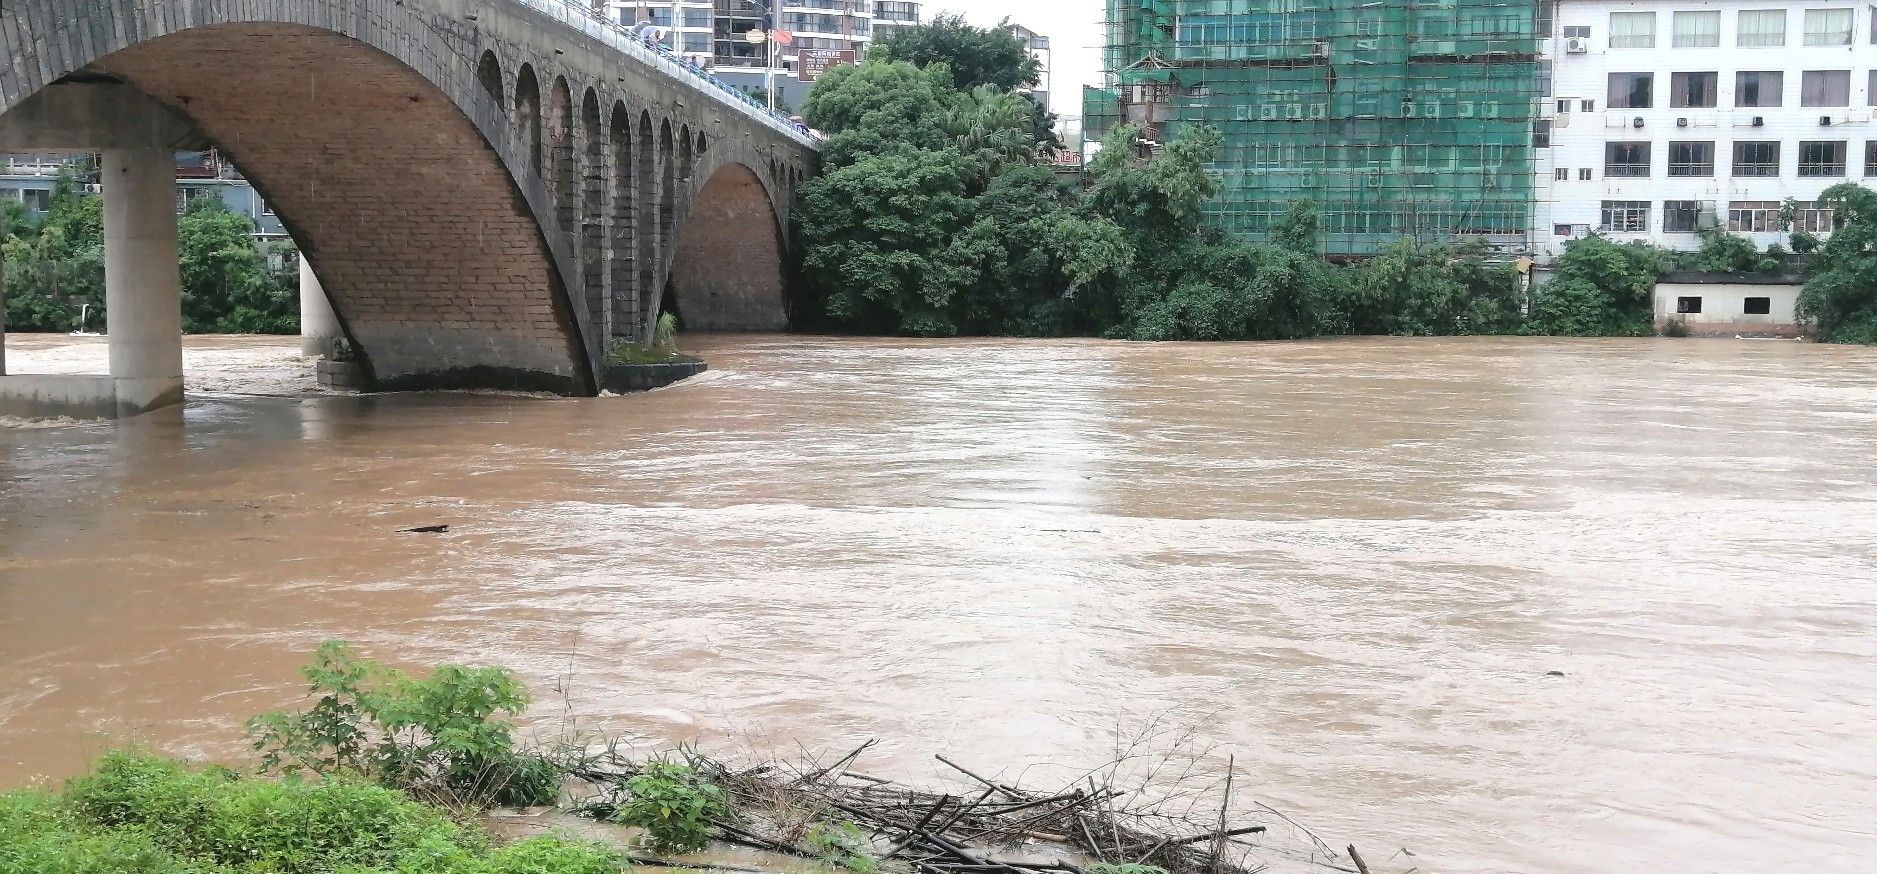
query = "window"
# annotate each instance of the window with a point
(1694, 90)
(1627, 216)
(1690, 159)
(1821, 158)
(1765, 88)
(1870, 89)
(1870, 158)
(1634, 30)
(1759, 28)
(1587, 106)
(1809, 217)
(1825, 88)
(1680, 216)
(1544, 78)
(1625, 159)
(1563, 174)
(1541, 133)
(1632, 90)
(1561, 230)
(37, 199)
(1828, 27)
(1756, 159)
(1577, 33)
(1697, 30)
(1584, 174)
(267, 208)
(1544, 17)
(1688, 304)
(1753, 216)
(1757, 306)
(1565, 105)
(697, 42)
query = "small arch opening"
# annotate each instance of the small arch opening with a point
(528, 115)
(489, 73)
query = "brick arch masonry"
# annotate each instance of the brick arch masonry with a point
(373, 130)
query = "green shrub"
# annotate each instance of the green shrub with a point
(674, 804)
(843, 844)
(41, 835)
(137, 813)
(551, 855)
(437, 737)
(293, 826)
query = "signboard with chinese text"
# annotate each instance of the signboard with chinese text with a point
(811, 63)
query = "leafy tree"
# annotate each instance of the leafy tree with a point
(226, 285)
(882, 239)
(975, 56)
(877, 107)
(993, 128)
(1437, 290)
(1840, 299)
(54, 261)
(1601, 288)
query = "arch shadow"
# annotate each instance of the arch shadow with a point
(727, 274)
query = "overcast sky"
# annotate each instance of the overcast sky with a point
(1073, 28)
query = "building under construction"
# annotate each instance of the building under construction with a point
(1397, 119)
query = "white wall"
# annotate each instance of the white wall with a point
(1724, 304)
(1578, 138)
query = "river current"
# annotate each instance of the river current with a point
(1353, 566)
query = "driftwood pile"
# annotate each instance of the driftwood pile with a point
(995, 828)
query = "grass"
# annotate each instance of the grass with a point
(137, 812)
(640, 353)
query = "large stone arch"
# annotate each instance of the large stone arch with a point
(369, 165)
(728, 273)
(409, 150)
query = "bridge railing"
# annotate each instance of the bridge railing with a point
(585, 20)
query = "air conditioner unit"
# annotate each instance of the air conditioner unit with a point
(1824, 121)
(1320, 49)
(1636, 122)
(1681, 122)
(1708, 215)
(1759, 121)
(94, 188)
(1576, 45)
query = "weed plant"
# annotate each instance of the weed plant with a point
(136, 812)
(439, 738)
(675, 804)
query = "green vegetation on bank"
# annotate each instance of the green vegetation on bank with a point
(937, 215)
(137, 813)
(227, 286)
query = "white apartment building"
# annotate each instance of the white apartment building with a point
(838, 25)
(1666, 116)
(690, 22)
(1038, 47)
(889, 15)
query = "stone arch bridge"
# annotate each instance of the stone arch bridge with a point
(491, 192)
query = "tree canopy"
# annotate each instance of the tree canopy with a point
(1841, 297)
(974, 56)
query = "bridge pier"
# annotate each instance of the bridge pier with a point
(319, 325)
(142, 279)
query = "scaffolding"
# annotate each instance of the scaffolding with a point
(1398, 120)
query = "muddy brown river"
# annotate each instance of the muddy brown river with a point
(1350, 565)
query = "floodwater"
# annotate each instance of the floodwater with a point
(1351, 565)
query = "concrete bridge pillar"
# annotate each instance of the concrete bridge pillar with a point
(319, 325)
(142, 278)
